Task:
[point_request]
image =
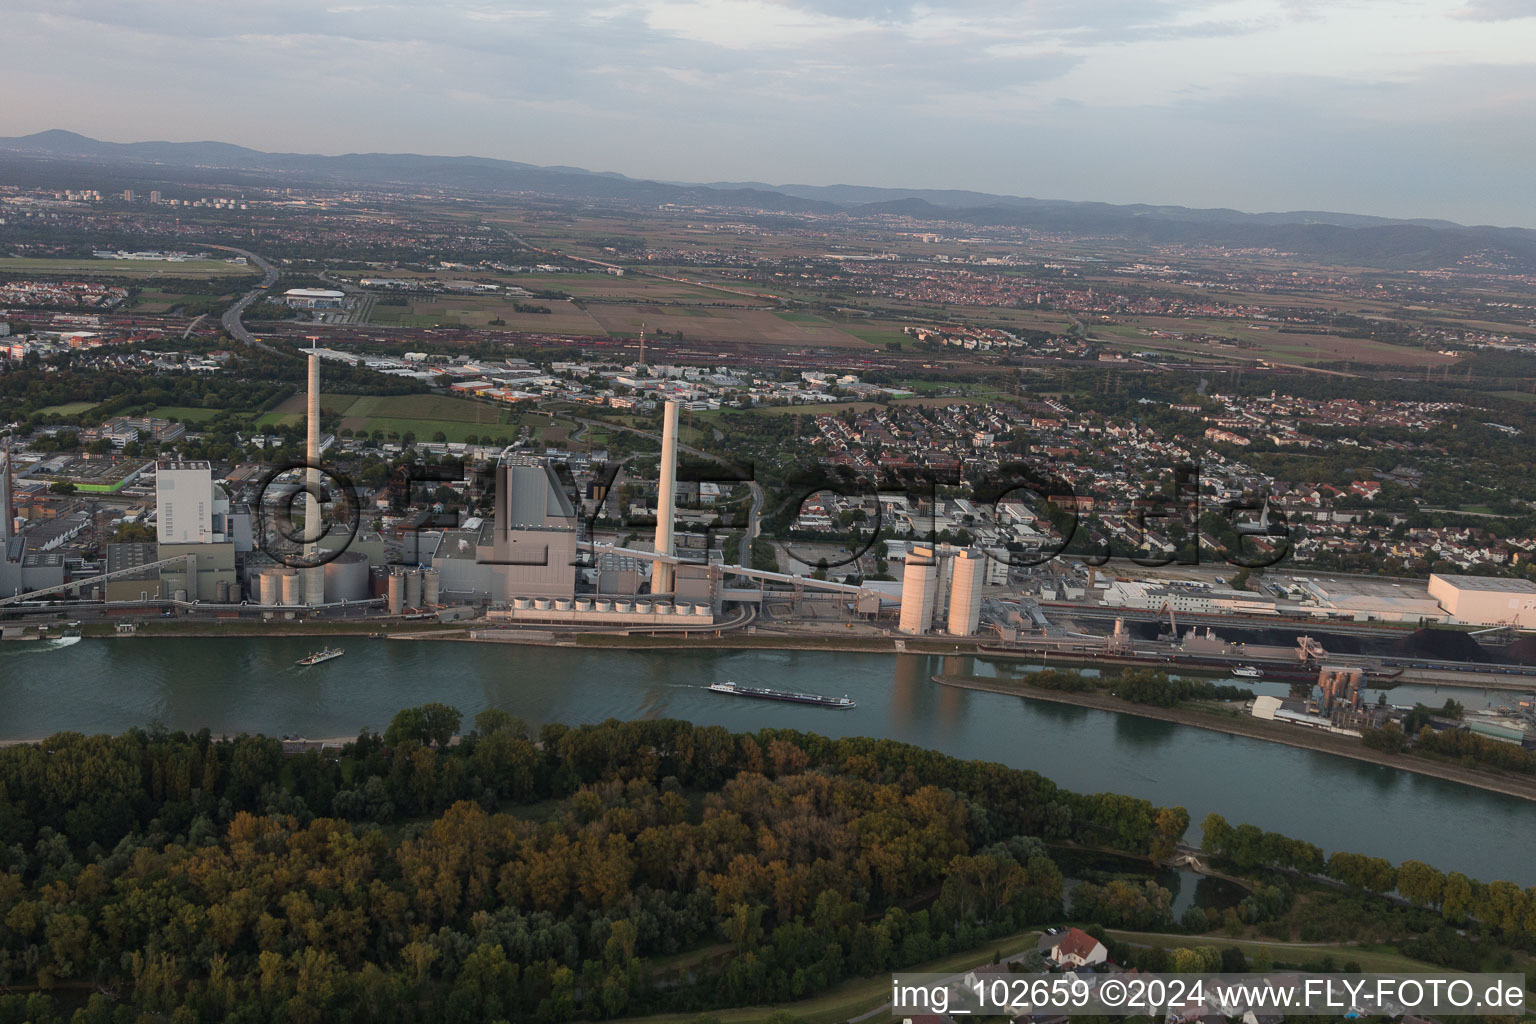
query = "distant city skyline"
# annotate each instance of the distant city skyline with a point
(1399, 108)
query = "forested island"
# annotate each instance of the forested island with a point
(613, 870)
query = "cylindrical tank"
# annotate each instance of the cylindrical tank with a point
(583, 604)
(312, 584)
(432, 587)
(602, 604)
(965, 592)
(562, 604)
(413, 588)
(221, 592)
(919, 588)
(272, 587)
(378, 581)
(541, 604)
(642, 607)
(347, 577)
(180, 595)
(624, 606)
(521, 604)
(293, 589)
(396, 592)
(662, 607)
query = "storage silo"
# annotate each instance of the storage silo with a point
(919, 584)
(293, 588)
(347, 577)
(432, 587)
(313, 584)
(396, 592)
(413, 588)
(965, 591)
(221, 592)
(271, 587)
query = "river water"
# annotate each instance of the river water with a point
(233, 685)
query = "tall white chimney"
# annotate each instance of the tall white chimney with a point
(314, 577)
(663, 576)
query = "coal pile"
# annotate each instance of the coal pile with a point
(1522, 651)
(1441, 645)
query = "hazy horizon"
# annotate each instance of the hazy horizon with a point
(1412, 109)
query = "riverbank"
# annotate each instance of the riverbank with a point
(1253, 728)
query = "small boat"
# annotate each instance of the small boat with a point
(1248, 672)
(326, 654)
(765, 694)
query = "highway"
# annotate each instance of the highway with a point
(232, 315)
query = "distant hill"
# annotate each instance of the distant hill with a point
(1329, 237)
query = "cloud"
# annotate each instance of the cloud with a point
(964, 93)
(1497, 10)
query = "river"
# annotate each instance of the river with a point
(233, 685)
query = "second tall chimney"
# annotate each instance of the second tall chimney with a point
(664, 574)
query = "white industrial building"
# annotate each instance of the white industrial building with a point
(189, 507)
(314, 298)
(1151, 597)
(1486, 600)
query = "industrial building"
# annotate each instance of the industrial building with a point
(527, 551)
(1151, 597)
(1486, 600)
(189, 507)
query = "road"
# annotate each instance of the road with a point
(232, 315)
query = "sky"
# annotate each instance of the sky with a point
(1412, 108)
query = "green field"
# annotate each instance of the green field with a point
(125, 268)
(189, 414)
(422, 415)
(67, 409)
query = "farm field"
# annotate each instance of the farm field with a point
(760, 326)
(479, 310)
(124, 268)
(1277, 346)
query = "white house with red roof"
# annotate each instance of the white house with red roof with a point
(1076, 948)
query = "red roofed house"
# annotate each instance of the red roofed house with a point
(1076, 948)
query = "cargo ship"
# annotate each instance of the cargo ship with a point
(796, 698)
(322, 655)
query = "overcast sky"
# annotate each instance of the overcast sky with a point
(1395, 107)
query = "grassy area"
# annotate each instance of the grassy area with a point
(125, 268)
(880, 336)
(858, 995)
(422, 415)
(67, 409)
(1370, 958)
(185, 413)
